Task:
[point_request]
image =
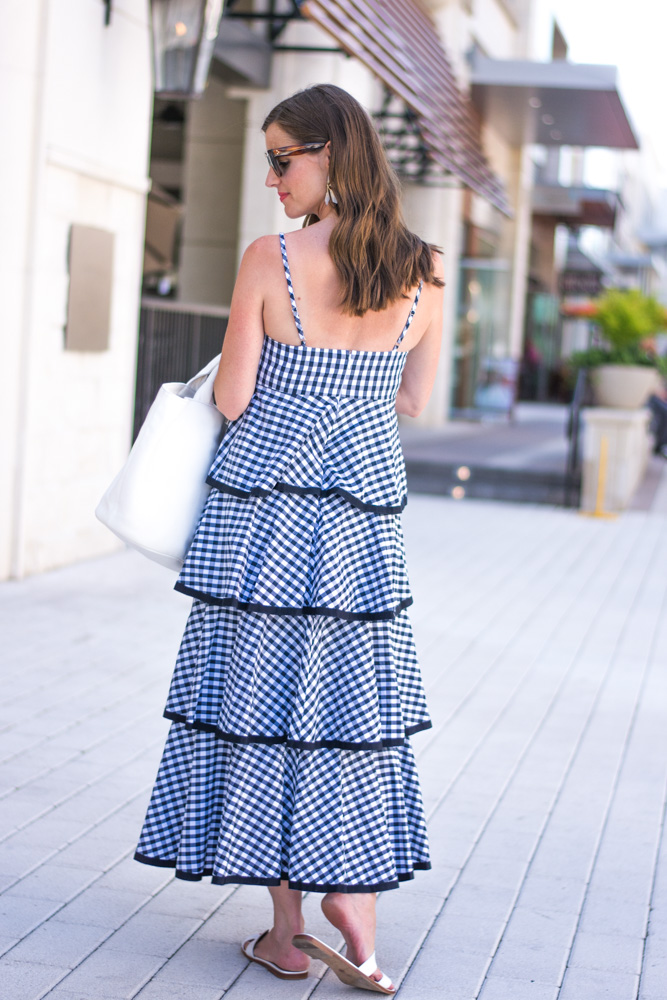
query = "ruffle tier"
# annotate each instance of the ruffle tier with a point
(308, 681)
(317, 445)
(326, 820)
(296, 684)
(297, 555)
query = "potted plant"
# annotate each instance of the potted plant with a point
(627, 369)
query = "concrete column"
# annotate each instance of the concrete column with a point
(212, 183)
(260, 209)
(435, 214)
(521, 197)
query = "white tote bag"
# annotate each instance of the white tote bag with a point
(155, 501)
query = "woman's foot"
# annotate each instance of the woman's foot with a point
(276, 946)
(353, 914)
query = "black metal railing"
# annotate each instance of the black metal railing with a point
(175, 341)
(580, 398)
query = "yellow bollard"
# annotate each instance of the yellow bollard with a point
(599, 510)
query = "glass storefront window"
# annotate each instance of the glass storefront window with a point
(541, 375)
(484, 377)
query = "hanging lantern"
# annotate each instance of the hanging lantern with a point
(184, 34)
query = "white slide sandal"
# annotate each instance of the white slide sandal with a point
(347, 972)
(248, 949)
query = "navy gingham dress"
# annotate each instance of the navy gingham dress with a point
(296, 685)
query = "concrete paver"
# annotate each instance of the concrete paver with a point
(535, 439)
(543, 642)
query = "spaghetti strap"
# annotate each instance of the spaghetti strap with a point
(290, 289)
(410, 317)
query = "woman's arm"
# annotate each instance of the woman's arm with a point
(242, 346)
(422, 361)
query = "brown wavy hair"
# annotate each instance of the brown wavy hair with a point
(377, 257)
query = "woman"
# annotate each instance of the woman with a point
(296, 685)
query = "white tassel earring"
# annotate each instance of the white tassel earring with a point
(330, 197)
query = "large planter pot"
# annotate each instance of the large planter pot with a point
(624, 387)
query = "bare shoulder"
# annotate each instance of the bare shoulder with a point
(259, 267)
(261, 252)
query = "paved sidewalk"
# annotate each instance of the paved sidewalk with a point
(543, 640)
(535, 439)
(519, 460)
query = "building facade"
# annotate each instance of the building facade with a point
(116, 194)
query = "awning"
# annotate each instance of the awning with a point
(576, 205)
(241, 55)
(654, 240)
(577, 260)
(553, 104)
(399, 43)
(632, 261)
(580, 276)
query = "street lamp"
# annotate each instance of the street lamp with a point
(184, 34)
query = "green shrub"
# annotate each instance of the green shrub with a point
(631, 355)
(628, 317)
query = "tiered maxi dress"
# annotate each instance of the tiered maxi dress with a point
(296, 685)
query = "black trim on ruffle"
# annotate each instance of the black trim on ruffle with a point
(304, 491)
(268, 609)
(162, 863)
(207, 727)
(303, 886)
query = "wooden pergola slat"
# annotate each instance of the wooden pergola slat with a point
(399, 43)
